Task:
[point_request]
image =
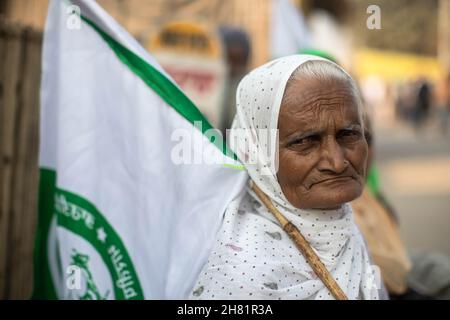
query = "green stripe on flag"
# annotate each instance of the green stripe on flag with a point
(165, 88)
(43, 287)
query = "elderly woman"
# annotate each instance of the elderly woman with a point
(310, 167)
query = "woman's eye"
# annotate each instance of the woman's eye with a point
(304, 142)
(350, 135)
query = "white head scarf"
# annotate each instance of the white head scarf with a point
(253, 258)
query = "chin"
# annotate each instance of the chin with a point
(333, 197)
(337, 197)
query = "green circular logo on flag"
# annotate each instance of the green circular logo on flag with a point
(102, 249)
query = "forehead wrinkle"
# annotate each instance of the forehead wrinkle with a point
(319, 85)
(319, 100)
(319, 119)
(304, 107)
(320, 108)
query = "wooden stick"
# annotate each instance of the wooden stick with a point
(303, 245)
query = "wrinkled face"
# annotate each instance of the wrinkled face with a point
(322, 150)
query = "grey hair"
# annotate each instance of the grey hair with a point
(326, 70)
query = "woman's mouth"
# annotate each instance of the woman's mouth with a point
(341, 179)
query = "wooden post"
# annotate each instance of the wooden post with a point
(9, 78)
(20, 51)
(25, 170)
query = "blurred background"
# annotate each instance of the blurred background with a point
(397, 50)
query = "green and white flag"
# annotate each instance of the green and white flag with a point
(132, 190)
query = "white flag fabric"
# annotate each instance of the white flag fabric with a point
(288, 31)
(131, 192)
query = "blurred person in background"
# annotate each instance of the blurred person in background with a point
(422, 104)
(404, 102)
(237, 51)
(442, 103)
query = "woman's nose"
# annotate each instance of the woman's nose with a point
(332, 157)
